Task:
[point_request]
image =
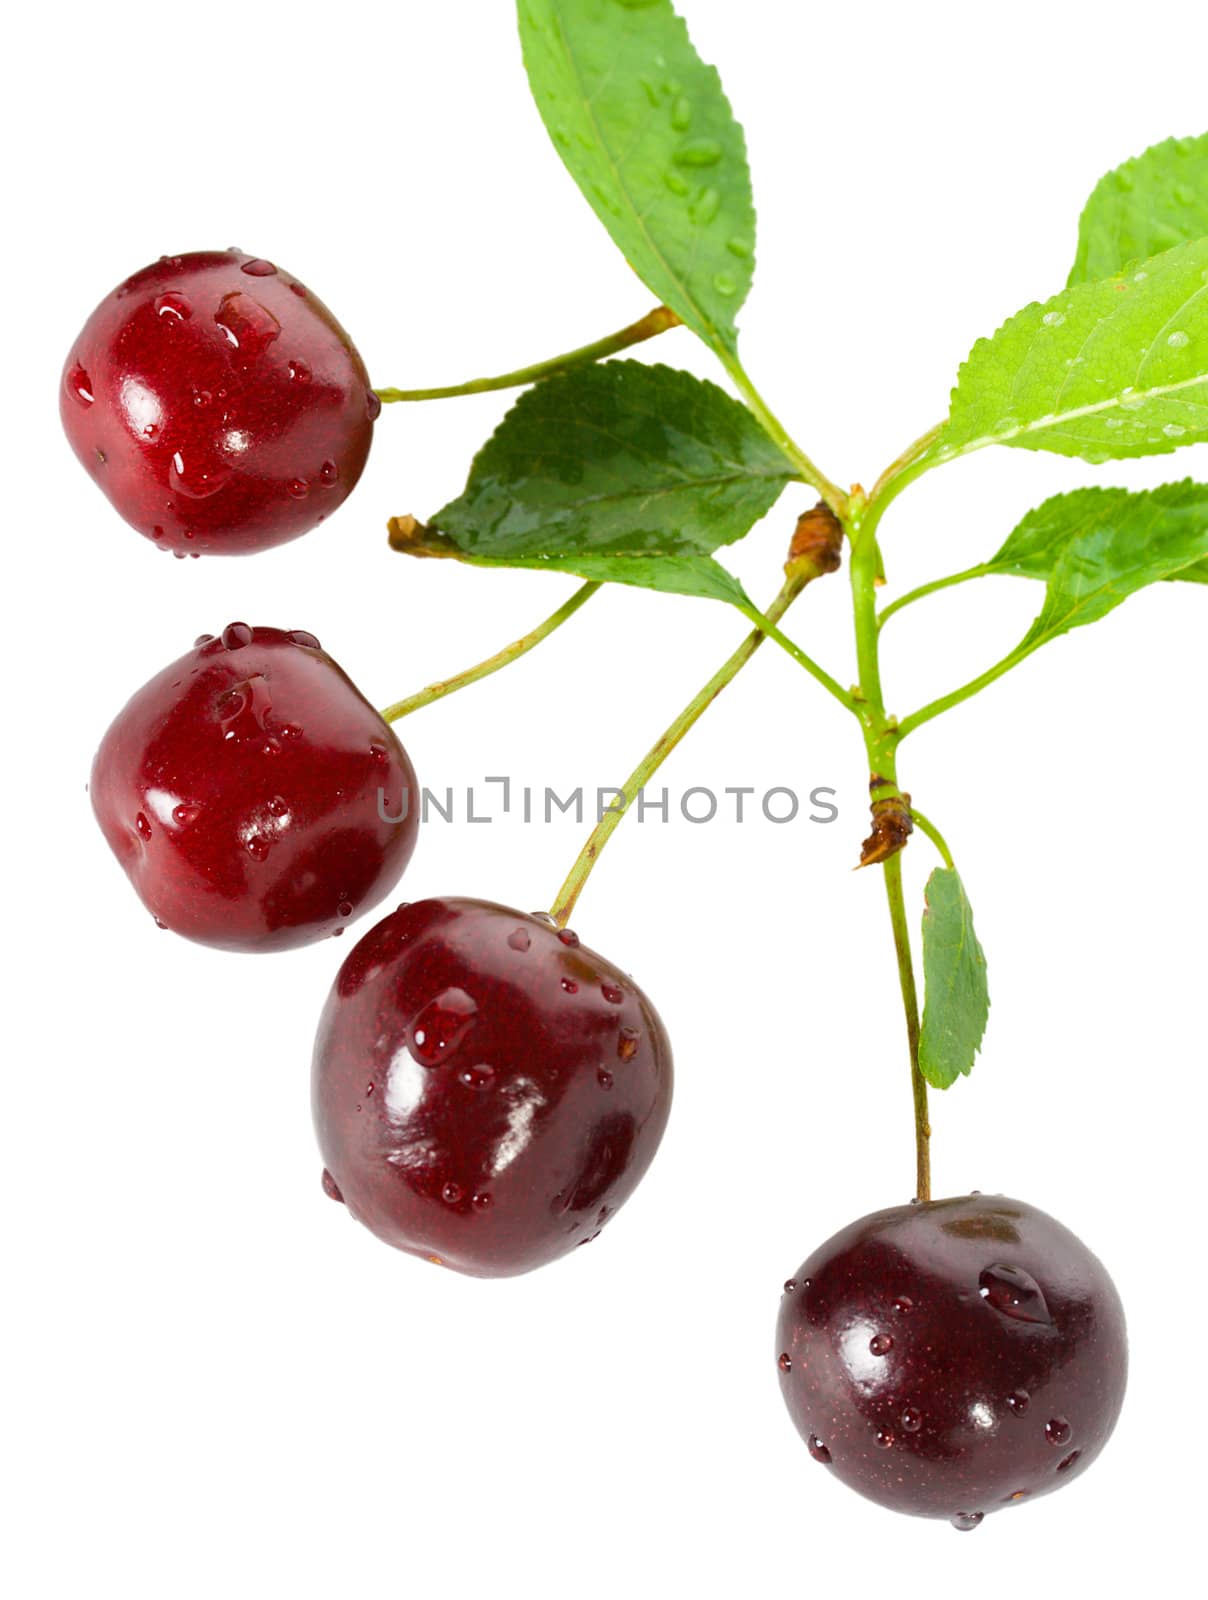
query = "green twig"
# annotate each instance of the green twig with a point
(933, 587)
(653, 323)
(928, 827)
(936, 708)
(568, 894)
(502, 658)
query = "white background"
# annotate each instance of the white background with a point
(220, 1385)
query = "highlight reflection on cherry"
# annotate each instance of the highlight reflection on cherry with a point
(487, 1092)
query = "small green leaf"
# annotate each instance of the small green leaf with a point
(954, 969)
(1103, 370)
(620, 471)
(1151, 203)
(1095, 547)
(647, 133)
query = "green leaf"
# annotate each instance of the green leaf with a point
(1103, 370)
(647, 133)
(1151, 203)
(620, 471)
(1095, 547)
(954, 969)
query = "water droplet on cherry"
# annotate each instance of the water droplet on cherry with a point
(627, 1044)
(1057, 1430)
(259, 269)
(79, 385)
(173, 307)
(966, 1521)
(784, 1361)
(612, 993)
(441, 1026)
(480, 1076)
(880, 1344)
(235, 635)
(330, 1187)
(306, 640)
(818, 1450)
(520, 939)
(1014, 1293)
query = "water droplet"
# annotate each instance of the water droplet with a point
(79, 384)
(784, 1361)
(373, 406)
(278, 807)
(299, 372)
(329, 474)
(173, 307)
(567, 936)
(142, 826)
(345, 908)
(789, 1285)
(1057, 1430)
(740, 247)
(480, 1076)
(1174, 430)
(725, 284)
(1064, 1466)
(681, 114)
(482, 1202)
(202, 638)
(183, 814)
(337, 933)
(306, 640)
(235, 635)
(441, 1026)
(330, 1187)
(612, 993)
(570, 986)
(818, 1450)
(903, 1305)
(544, 916)
(627, 1044)
(452, 1193)
(202, 398)
(257, 846)
(519, 939)
(884, 1438)
(604, 1078)
(705, 207)
(379, 752)
(880, 1344)
(698, 153)
(966, 1521)
(677, 185)
(198, 478)
(1018, 1402)
(298, 487)
(1178, 340)
(1013, 1293)
(259, 269)
(1053, 319)
(249, 327)
(243, 711)
(912, 1419)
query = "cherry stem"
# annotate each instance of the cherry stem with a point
(881, 739)
(502, 658)
(647, 327)
(910, 1003)
(568, 894)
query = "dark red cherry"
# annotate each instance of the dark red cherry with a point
(953, 1358)
(256, 800)
(218, 404)
(486, 1092)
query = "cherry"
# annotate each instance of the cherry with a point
(218, 404)
(487, 1092)
(952, 1358)
(256, 800)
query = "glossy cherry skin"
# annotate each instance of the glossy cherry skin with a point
(487, 1092)
(255, 798)
(953, 1358)
(218, 404)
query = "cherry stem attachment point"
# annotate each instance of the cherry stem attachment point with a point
(647, 327)
(568, 894)
(502, 658)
